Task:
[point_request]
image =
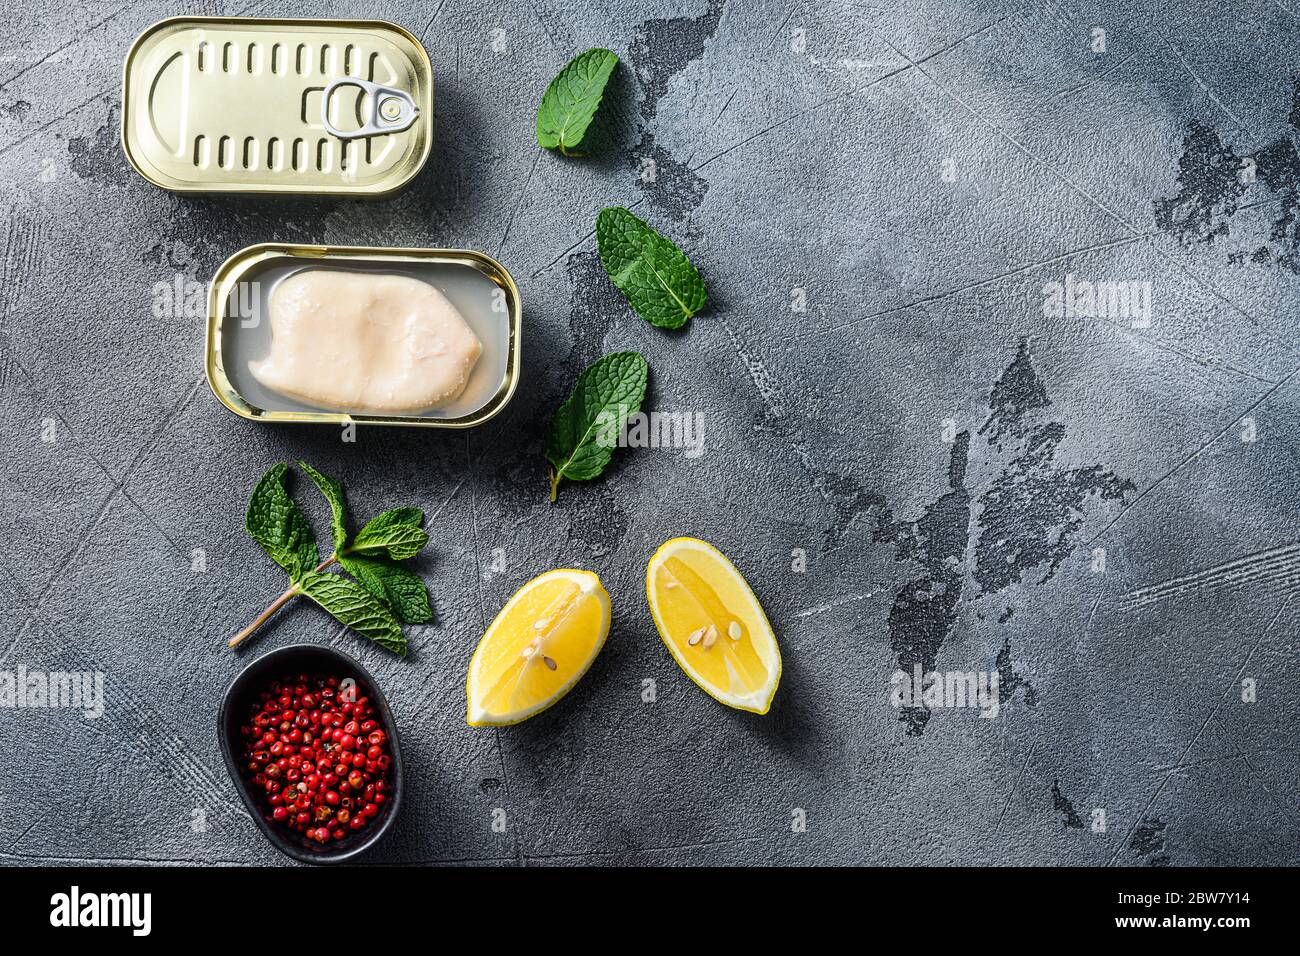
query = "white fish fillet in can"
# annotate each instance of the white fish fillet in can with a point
(357, 342)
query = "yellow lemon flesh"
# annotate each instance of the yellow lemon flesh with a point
(713, 624)
(538, 647)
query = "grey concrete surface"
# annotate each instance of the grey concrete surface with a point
(976, 485)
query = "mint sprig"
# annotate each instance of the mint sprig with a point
(583, 433)
(380, 595)
(659, 281)
(570, 102)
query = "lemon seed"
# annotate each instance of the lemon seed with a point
(733, 631)
(710, 636)
(548, 662)
(695, 637)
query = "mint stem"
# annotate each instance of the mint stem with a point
(278, 603)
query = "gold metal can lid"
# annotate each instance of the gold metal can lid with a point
(250, 105)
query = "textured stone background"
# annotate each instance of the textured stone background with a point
(797, 146)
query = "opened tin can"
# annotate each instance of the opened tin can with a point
(239, 327)
(249, 105)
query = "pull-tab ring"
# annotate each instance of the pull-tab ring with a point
(391, 110)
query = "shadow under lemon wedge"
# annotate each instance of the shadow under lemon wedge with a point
(713, 625)
(537, 648)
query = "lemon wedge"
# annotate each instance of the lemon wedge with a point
(538, 647)
(713, 625)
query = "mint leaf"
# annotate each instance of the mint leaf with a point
(351, 604)
(413, 516)
(400, 588)
(333, 493)
(570, 102)
(396, 533)
(584, 430)
(274, 521)
(659, 281)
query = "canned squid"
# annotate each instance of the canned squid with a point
(426, 337)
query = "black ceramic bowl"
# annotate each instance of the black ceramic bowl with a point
(240, 696)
